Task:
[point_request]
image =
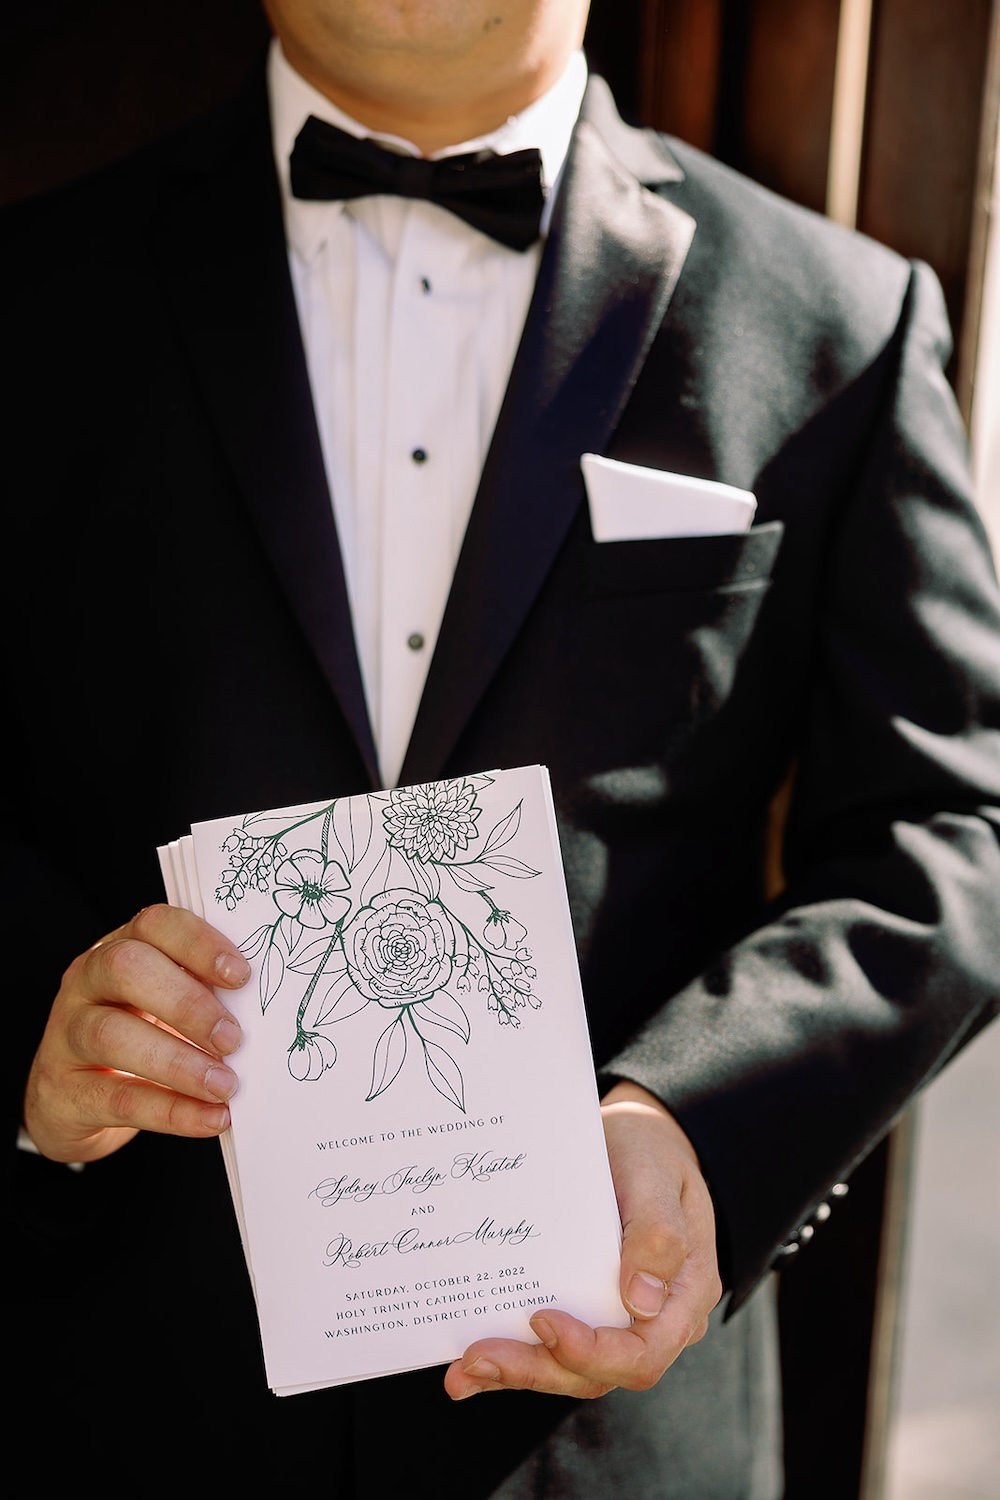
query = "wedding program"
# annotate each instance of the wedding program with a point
(416, 1154)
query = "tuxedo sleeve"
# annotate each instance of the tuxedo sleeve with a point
(791, 1055)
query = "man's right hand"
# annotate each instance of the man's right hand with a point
(136, 1039)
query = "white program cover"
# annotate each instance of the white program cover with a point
(416, 1152)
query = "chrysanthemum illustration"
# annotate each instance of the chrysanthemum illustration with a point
(432, 823)
(307, 888)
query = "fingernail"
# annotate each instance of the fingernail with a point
(474, 1390)
(232, 968)
(645, 1295)
(481, 1369)
(222, 1082)
(545, 1332)
(226, 1036)
(215, 1117)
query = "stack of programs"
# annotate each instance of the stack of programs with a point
(416, 1154)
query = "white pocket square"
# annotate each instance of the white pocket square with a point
(629, 503)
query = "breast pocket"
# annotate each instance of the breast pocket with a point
(685, 564)
(667, 627)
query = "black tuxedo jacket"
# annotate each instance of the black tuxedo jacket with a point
(178, 646)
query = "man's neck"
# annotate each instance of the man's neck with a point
(434, 88)
(431, 128)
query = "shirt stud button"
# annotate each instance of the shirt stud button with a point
(419, 455)
(425, 285)
(415, 641)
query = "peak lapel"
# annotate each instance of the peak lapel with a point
(612, 260)
(225, 260)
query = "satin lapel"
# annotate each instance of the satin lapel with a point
(225, 260)
(614, 253)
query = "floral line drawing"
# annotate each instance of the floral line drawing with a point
(361, 916)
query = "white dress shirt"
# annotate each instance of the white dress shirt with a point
(410, 321)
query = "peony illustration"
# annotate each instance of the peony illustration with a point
(401, 948)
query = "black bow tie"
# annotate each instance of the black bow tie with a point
(501, 196)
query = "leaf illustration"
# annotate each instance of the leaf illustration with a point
(378, 880)
(310, 960)
(479, 782)
(324, 838)
(272, 972)
(390, 1050)
(468, 877)
(290, 933)
(507, 865)
(503, 832)
(267, 825)
(444, 1073)
(340, 1001)
(352, 827)
(254, 944)
(426, 878)
(442, 1010)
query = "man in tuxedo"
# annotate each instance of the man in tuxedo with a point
(311, 520)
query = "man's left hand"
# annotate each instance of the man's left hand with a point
(669, 1273)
